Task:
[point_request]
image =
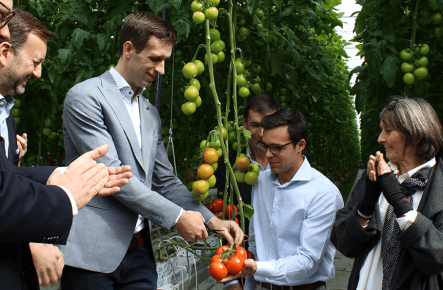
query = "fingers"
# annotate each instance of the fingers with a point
(55, 177)
(98, 176)
(97, 152)
(119, 170)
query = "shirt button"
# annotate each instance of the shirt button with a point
(273, 247)
(272, 226)
(276, 206)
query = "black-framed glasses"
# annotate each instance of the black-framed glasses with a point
(392, 104)
(275, 149)
(5, 18)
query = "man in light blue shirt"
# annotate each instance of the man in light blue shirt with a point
(289, 232)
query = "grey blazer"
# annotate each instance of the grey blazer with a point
(95, 114)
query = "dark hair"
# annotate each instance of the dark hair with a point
(418, 122)
(296, 122)
(24, 23)
(139, 27)
(263, 104)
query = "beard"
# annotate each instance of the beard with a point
(10, 83)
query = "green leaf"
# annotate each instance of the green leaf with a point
(63, 54)
(248, 209)
(389, 69)
(390, 38)
(312, 72)
(83, 18)
(176, 3)
(97, 61)
(78, 36)
(182, 26)
(276, 62)
(101, 41)
(52, 74)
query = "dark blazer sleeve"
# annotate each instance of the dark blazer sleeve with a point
(12, 132)
(29, 210)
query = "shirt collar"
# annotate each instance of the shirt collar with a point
(304, 173)
(6, 102)
(122, 83)
(411, 172)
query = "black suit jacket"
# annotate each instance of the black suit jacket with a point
(29, 212)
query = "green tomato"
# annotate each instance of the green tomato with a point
(214, 34)
(422, 61)
(239, 176)
(283, 106)
(17, 120)
(191, 93)
(213, 56)
(438, 32)
(214, 2)
(409, 78)
(220, 57)
(283, 91)
(422, 49)
(232, 137)
(198, 17)
(239, 67)
(421, 73)
(241, 80)
(240, 37)
(436, 18)
(433, 4)
(243, 92)
(198, 102)
(18, 103)
(48, 122)
(406, 54)
(211, 13)
(256, 69)
(243, 9)
(241, 21)
(247, 73)
(260, 14)
(283, 99)
(407, 67)
(223, 44)
(190, 70)
(216, 46)
(424, 14)
(196, 6)
(195, 83)
(200, 66)
(188, 108)
(53, 135)
(256, 88)
(243, 31)
(16, 112)
(47, 131)
(268, 86)
(215, 144)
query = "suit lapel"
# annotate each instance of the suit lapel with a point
(148, 126)
(113, 95)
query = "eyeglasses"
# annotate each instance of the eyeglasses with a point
(392, 104)
(275, 149)
(5, 18)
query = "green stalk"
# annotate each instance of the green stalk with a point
(414, 31)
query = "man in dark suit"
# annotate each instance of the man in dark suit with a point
(30, 210)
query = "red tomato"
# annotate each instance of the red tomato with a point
(250, 255)
(229, 211)
(218, 214)
(235, 265)
(217, 204)
(240, 251)
(218, 271)
(221, 249)
(216, 258)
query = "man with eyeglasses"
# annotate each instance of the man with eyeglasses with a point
(289, 234)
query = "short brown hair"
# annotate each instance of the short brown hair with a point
(139, 27)
(24, 23)
(296, 122)
(418, 122)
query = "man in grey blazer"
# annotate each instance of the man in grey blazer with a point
(109, 245)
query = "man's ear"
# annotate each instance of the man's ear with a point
(5, 50)
(301, 144)
(128, 49)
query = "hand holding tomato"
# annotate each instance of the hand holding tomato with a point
(250, 267)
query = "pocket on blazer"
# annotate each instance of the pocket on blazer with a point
(101, 202)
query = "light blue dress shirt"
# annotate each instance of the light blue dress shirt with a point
(6, 105)
(290, 229)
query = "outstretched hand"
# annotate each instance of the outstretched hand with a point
(232, 232)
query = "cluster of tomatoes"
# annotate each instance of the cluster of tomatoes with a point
(192, 94)
(217, 208)
(227, 260)
(210, 12)
(415, 63)
(245, 170)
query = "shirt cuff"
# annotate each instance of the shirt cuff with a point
(179, 215)
(71, 197)
(227, 284)
(264, 269)
(406, 221)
